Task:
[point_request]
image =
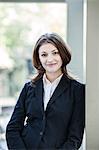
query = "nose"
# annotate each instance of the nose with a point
(50, 58)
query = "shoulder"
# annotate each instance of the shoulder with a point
(73, 83)
(28, 85)
(78, 89)
(77, 84)
(32, 84)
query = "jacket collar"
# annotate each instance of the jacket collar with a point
(63, 85)
(39, 90)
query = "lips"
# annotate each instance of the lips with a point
(51, 64)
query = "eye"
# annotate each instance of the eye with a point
(44, 55)
(55, 53)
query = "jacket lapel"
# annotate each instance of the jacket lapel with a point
(63, 85)
(39, 92)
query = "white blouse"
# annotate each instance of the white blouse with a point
(49, 88)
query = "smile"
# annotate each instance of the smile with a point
(51, 64)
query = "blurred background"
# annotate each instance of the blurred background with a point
(20, 27)
(21, 24)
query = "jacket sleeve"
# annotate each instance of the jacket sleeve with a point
(77, 123)
(16, 123)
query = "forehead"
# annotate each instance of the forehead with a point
(47, 47)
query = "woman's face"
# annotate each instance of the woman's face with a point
(50, 58)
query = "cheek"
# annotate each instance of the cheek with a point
(42, 60)
(60, 60)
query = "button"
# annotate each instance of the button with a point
(41, 133)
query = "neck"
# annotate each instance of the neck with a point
(52, 76)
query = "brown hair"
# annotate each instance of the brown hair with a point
(63, 49)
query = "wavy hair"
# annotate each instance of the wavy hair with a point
(63, 50)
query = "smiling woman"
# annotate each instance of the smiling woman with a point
(51, 55)
(50, 60)
(50, 111)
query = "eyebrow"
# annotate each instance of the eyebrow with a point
(54, 50)
(51, 51)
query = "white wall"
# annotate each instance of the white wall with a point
(92, 90)
(75, 38)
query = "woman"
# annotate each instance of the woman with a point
(49, 113)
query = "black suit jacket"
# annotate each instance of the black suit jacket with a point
(61, 126)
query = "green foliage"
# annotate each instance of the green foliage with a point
(20, 26)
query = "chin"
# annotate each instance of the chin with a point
(52, 71)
